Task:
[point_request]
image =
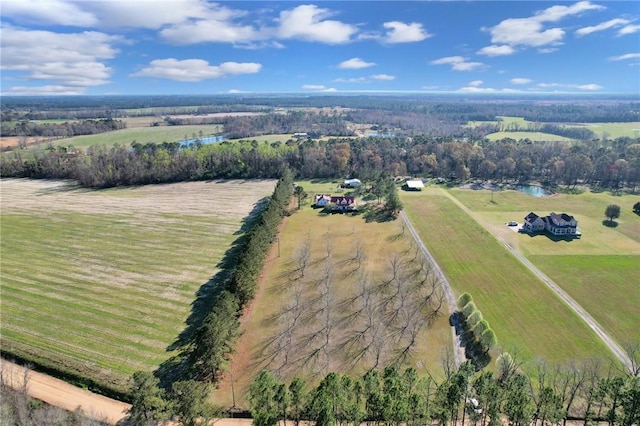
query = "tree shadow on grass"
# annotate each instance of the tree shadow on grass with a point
(378, 214)
(178, 366)
(610, 223)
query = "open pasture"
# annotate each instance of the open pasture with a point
(523, 312)
(532, 136)
(99, 283)
(600, 270)
(141, 135)
(341, 294)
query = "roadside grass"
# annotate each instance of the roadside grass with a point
(523, 312)
(141, 135)
(100, 285)
(310, 351)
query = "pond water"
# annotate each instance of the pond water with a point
(205, 140)
(380, 134)
(534, 190)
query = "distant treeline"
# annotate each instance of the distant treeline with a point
(607, 164)
(452, 109)
(28, 128)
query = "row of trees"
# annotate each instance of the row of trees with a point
(60, 130)
(395, 397)
(611, 164)
(186, 381)
(477, 335)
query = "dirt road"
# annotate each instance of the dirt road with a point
(61, 394)
(575, 306)
(458, 350)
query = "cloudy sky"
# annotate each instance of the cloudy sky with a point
(97, 47)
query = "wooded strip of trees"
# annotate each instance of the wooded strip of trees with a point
(68, 129)
(588, 392)
(611, 164)
(401, 397)
(184, 391)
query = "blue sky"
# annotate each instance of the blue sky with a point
(119, 47)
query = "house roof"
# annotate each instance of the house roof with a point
(531, 217)
(343, 200)
(415, 184)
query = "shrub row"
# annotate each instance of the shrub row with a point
(479, 334)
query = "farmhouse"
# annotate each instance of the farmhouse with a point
(554, 224)
(321, 200)
(414, 185)
(343, 203)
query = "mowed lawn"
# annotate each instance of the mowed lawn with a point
(600, 270)
(310, 325)
(523, 312)
(99, 283)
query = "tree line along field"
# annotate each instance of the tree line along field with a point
(339, 293)
(525, 315)
(98, 284)
(599, 270)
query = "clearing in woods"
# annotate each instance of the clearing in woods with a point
(99, 283)
(344, 293)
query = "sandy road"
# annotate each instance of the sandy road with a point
(568, 300)
(458, 350)
(61, 394)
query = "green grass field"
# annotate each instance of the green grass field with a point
(523, 312)
(99, 283)
(141, 135)
(312, 349)
(599, 270)
(602, 130)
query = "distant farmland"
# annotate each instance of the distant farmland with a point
(99, 283)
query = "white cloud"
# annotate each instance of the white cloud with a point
(495, 50)
(475, 89)
(43, 90)
(385, 77)
(355, 64)
(547, 49)
(476, 83)
(588, 87)
(625, 57)
(518, 80)
(192, 70)
(56, 12)
(314, 87)
(351, 80)
(629, 29)
(307, 22)
(399, 32)
(531, 31)
(612, 23)
(71, 62)
(209, 31)
(233, 91)
(458, 63)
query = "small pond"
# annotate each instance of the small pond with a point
(204, 140)
(534, 190)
